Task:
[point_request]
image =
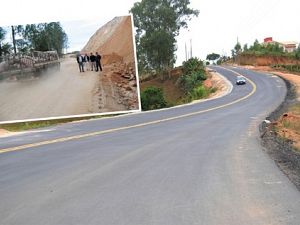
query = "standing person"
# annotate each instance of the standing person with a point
(98, 62)
(93, 61)
(80, 62)
(86, 61)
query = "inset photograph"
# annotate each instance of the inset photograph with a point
(62, 69)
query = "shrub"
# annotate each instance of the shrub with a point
(200, 92)
(152, 98)
(193, 74)
(192, 65)
(188, 82)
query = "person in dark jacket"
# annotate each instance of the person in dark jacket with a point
(80, 62)
(86, 61)
(93, 61)
(98, 62)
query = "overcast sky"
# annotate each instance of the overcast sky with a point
(216, 29)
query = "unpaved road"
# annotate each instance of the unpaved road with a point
(109, 98)
(57, 93)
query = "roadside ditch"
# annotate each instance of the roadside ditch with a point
(278, 148)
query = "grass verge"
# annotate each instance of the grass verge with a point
(23, 126)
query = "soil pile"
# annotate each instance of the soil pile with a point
(114, 39)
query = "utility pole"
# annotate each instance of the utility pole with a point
(186, 57)
(191, 48)
(14, 40)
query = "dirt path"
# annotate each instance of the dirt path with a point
(109, 99)
(60, 93)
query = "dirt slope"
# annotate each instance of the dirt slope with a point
(113, 40)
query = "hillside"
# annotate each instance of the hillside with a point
(265, 60)
(114, 41)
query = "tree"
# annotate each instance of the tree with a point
(157, 23)
(2, 37)
(6, 48)
(212, 56)
(236, 50)
(256, 46)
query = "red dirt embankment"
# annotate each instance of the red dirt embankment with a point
(265, 60)
(114, 41)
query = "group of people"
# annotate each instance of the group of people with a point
(89, 62)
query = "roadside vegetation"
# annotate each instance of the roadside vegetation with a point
(288, 125)
(153, 98)
(290, 68)
(191, 81)
(23, 126)
(157, 24)
(188, 86)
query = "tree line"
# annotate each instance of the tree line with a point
(258, 49)
(33, 37)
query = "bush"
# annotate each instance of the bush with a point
(152, 98)
(200, 92)
(193, 74)
(192, 65)
(188, 82)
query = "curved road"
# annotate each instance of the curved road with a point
(197, 164)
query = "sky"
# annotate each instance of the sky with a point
(217, 28)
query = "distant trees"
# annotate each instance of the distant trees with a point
(157, 24)
(38, 37)
(45, 37)
(236, 50)
(263, 49)
(212, 56)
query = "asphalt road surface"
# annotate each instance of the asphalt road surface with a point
(197, 164)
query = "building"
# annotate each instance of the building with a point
(288, 46)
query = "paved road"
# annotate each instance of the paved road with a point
(198, 164)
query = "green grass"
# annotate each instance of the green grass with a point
(295, 109)
(295, 126)
(199, 92)
(23, 126)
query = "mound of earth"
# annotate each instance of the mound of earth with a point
(113, 40)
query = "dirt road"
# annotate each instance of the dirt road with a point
(60, 93)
